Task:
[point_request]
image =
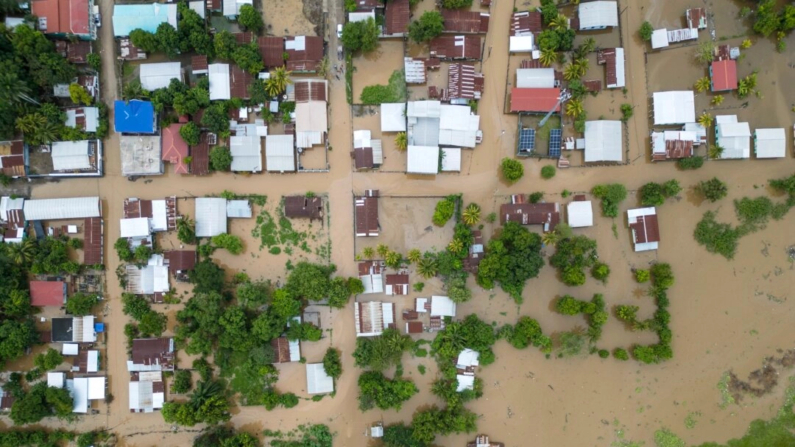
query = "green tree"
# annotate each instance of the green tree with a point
(220, 158)
(427, 267)
(568, 305)
(190, 134)
(376, 390)
(309, 281)
(512, 170)
(646, 31)
(152, 324)
(611, 195)
(429, 25)
(549, 12)
(626, 112)
(144, 40)
(570, 344)
(233, 244)
(400, 435)
(381, 352)
(642, 275)
(512, 257)
(304, 331)
(81, 304)
(186, 230)
(572, 256)
(413, 256)
(41, 401)
(547, 172)
(182, 382)
(339, 293)
(278, 81)
(225, 45)
(471, 214)
(767, 21)
(600, 271)
(652, 194)
(248, 58)
(713, 189)
(250, 19)
(49, 360)
(445, 209)
(167, 39)
(360, 36)
(401, 141)
(332, 363)
(79, 95)
(528, 332)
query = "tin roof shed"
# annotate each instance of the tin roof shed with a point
(210, 216)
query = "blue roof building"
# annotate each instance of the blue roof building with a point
(146, 17)
(134, 117)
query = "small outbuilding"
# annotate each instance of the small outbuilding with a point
(210, 216)
(47, 293)
(159, 75)
(317, 381)
(723, 75)
(393, 117)
(770, 143)
(734, 137)
(598, 15)
(442, 306)
(373, 317)
(423, 160)
(366, 214)
(645, 228)
(580, 213)
(603, 141)
(674, 107)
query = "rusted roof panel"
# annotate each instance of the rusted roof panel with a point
(93, 229)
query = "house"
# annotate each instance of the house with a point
(645, 229)
(220, 81)
(723, 75)
(238, 209)
(76, 330)
(75, 158)
(373, 317)
(198, 6)
(12, 217)
(456, 47)
(56, 379)
(451, 159)
(397, 284)
(147, 391)
(303, 207)
(180, 263)
(597, 15)
(280, 153)
(146, 17)
(466, 363)
(521, 212)
(286, 351)
(156, 76)
(535, 78)
(458, 126)
(128, 51)
(75, 52)
(240, 81)
(272, 51)
(423, 121)
(12, 158)
(93, 241)
(464, 83)
(62, 209)
(733, 137)
(580, 213)
(770, 143)
(367, 153)
(151, 279)
(476, 253)
(535, 100)
(397, 17)
(468, 22)
(210, 216)
(317, 381)
(84, 390)
(603, 141)
(371, 274)
(423, 160)
(442, 306)
(483, 441)
(696, 18)
(200, 155)
(311, 123)
(366, 208)
(661, 38)
(135, 117)
(414, 69)
(63, 18)
(308, 90)
(162, 213)
(672, 144)
(90, 82)
(414, 327)
(83, 118)
(6, 400)
(199, 65)
(140, 154)
(304, 53)
(84, 361)
(524, 23)
(231, 8)
(674, 107)
(613, 60)
(151, 354)
(47, 293)
(175, 150)
(246, 153)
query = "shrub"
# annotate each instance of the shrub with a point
(626, 112)
(621, 354)
(662, 276)
(604, 353)
(418, 286)
(646, 31)
(536, 197)
(547, 172)
(182, 382)
(233, 244)
(220, 158)
(512, 170)
(568, 305)
(395, 91)
(713, 189)
(122, 247)
(627, 313)
(600, 271)
(250, 19)
(491, 217)
(429, 25)
(332, 363)
(190, 132)
(693, 162)
(288, 400)
(445, 209)
(641, 275)
(612, 195)
(716, 237)
(361, 35)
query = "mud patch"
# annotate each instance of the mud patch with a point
(313, 11)
(763, 380)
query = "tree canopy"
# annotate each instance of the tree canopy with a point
(512, 257)
(360, 36)
(429, 25)
(376, 390)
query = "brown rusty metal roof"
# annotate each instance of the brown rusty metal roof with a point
(646, 229)
(363, 157)
(135, 208)
(74, 52)
(530, 213)
(303, 207)
(239, 81)
(310, 90)
(410, 314)
(398, 15)
(272, 51)
(93, 229)
(464, 82)
(397, 279)
(462, 21)
(281, 349)
(456, 47)
(523, 23)
(593, 85)
(198, 62)
(308, 59)
(367, 216)
(180, 260)
(152, 351)
(607, 57)
(414, 327)
(200, 157)
(244, 37)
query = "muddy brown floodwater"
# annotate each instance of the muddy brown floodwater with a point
(726, 315)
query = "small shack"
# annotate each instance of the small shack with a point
(644, 227)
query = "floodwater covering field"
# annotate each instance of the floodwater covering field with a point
(725, 315)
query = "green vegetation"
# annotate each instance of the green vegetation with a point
(226, 437)
(360, 36)
(444, 211)
(512, 257)
(642, 275)
(621, 354)
(626, 112)
(455, 4)
(654, 194)
(713, 189)
(612, 195)
(693, 162)
(547, 172)
(646, 31)
(716, 237)
(594, 311)
(395, 91)
(381, 352)
(190, 132)
(49, 360)
(81, 304)
(572, 256)
(317, 435)
(429, 25)
(38, 402)
(220, 157)
(182, 382)
(376, 390)
(332, 363)
(512, 170)
(661, 279)
(150, 322)
(250, 19)
(471, 214)
(768, 21)
(207, 404)
(233, 244)
(600, 271)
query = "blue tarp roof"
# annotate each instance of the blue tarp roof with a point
(146, 17)
(99, 327)
(134, 117)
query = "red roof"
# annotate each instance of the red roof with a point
(200, 157)
(534, 99)
(47, 293)
(456, 47)
(306, 59)
(310, 90)
(724, 75)
(526, 22)
(646, 229)
(198, 63)
(460, 21)
(92, 241)
(239, 80)
(272, 51)
(62, 16)
(397, 16)
(174, 148)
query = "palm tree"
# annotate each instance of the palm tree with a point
(705, 119)
(582, 65)
(455, 246)
(571, 72)
(14, 90)
(368, 252)
(414, 255)
(715, 151)
(718, 100)
(550, 238)
(401, 141)
(203, 392)
(561, 22)
(382, 250)
(548, 57)
(703, 84)
(280, 79)
(393, 259)
(589, 45)
(471, 214)
(427, 267)
(29, 123)
(23, 252)
(574, 108)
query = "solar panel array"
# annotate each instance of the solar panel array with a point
(555, 139)
(527, 140)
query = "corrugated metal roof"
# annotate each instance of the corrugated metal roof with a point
(57, 209)
(770, 143)
(280, 153)
(598, 14)
(397, 17)
(159, 75)
(219, 81)
(393, 117)
(423, 160)
(603, 141)
(317, 381)
(246, 153)
(210, 216)
(540, 100)
(674, 107)
(414, 70)
(71, 155)
(272, 51)
(146, 17)
(535, 78)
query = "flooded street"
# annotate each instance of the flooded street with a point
(726, 315)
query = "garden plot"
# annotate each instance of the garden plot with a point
(381, 67)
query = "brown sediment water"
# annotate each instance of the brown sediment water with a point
(726, 315)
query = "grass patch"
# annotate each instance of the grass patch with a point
(395, 91)
(278, 235)
(421, 369)
(666, 438)
(349, 68)
(726, 397)
(692, 419)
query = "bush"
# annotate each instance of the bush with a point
(646, 31)
(662, 276)
(626, 112)
(81, 304)
(454, 4)
(536, 197)
(601, 271)
(395, 91)
(418, 286)
(693, 162)
(429, 25)
(182, 382)
(547, 172)
(512, 257)
(568, 305)
(288, 400)
(220, 158)
(122, 247)
(445, 209)
(233, 244)
(713, 189)
(376, 390)
(604, 353)
(332, 363)
(716, 237)
(612, 195)
(621, 354)
(641, 275)
(512, 170)
(361, 35)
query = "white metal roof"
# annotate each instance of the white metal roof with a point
(580, 214)
(78, 388)
(620, 74)
(87, 335)
(56, 379)
(70, 155)
(725, 119)
(90, 115)
(295, 350)
(246, 153)
(442, 306)
(521, 44)
(659, 38)
(361, 138)
(632, 217)
(393, 117)
(599, 14)
(467, 358)
(423, 160)
(414, 70)
(603, 141)
(311, 116)
(373, 282)
(317, 381)
(70, 349)
(134, 227)
(535, 78)
(219, 81)
(143, 397)
(451, 159)
(280, 153)
(735, 139)
(674, 107)
(198, 6)
(93, 361)
(96, 388)
(361, 16)
(56, 209)
(155, 76)
(420, 305)
(458, 126)
(464, 382)
(159, 221)
(210, 216)
(424, 109)
(770, 143)
(240, 209)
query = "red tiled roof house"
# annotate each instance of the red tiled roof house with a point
(63, 18)
(724, 75)
(47, 293)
